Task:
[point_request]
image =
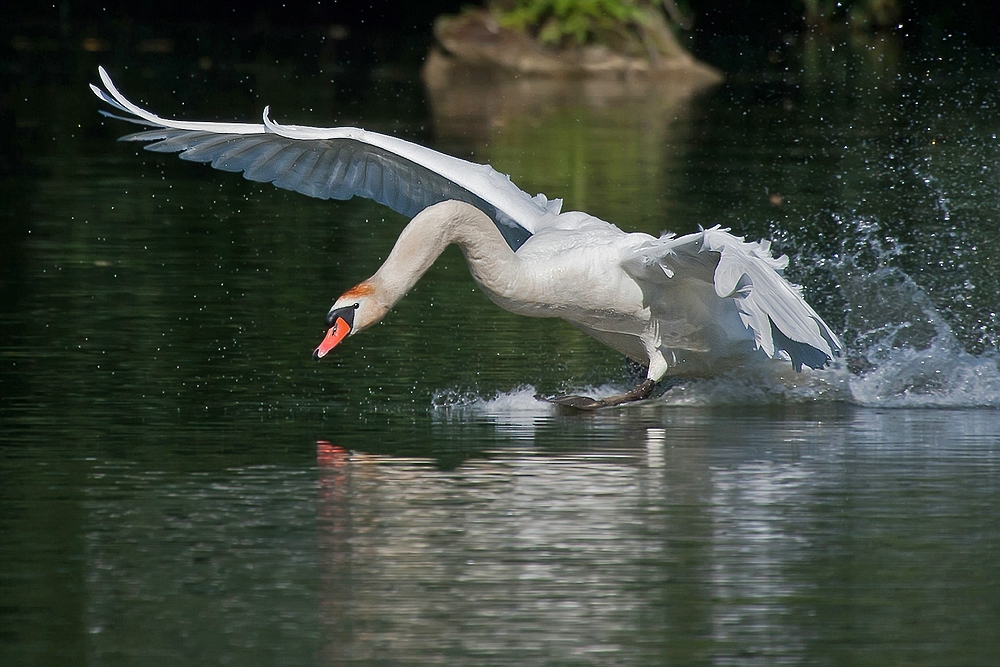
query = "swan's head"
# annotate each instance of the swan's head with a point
(355, 310)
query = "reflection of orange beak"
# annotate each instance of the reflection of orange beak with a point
(334, 335)
(329, 455)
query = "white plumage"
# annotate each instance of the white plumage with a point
(688, 305)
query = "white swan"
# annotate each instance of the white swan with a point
(685, 306)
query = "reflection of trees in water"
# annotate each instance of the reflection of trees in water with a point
(599, 143)
(16, 193)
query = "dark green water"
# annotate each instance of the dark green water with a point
(182, 484)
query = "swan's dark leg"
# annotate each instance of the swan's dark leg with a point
(636, 393)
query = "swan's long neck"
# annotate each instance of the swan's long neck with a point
(491, 261)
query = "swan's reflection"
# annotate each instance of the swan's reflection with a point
(606, 553)
(755, 546)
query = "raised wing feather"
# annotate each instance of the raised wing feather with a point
(340, 163)
(783, 324)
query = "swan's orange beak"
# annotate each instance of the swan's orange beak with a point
(334, 335)
(341, 322)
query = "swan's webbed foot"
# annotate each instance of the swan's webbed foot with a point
(575, 402)
(636, 393)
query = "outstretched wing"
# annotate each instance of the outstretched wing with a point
(340, 163)
(783, 324)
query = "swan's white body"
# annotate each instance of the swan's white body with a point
(688, 305)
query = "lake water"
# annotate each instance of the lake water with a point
(182, 484)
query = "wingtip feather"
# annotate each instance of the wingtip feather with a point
(270, 125)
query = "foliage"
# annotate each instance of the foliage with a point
(574, 22)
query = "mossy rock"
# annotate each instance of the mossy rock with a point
(477, 38)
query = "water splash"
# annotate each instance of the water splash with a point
(905, 354)
(518, 401)
(936, 376)
(902, 351)
(516, 412)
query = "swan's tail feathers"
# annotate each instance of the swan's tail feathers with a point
(339, 163)
(783, 324)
